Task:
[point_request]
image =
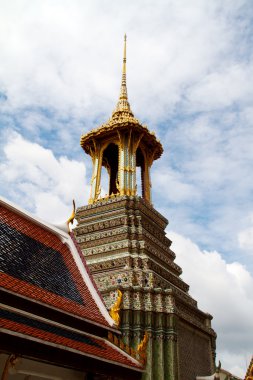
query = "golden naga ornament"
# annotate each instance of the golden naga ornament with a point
(142, 348)
(65, 226)
(143, 345)
(115, 309)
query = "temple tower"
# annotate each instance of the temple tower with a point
(123, 240)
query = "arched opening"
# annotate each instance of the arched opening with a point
(140, 172)
(111, 163)
(104, 182)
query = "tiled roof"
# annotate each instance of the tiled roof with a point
(65, 338)
(43, 264)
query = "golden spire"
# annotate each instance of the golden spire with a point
(123, 105)
(123, 89)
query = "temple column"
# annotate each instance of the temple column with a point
(170, 349)
(146, 182)
(96, 173)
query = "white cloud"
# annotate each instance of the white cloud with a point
(203, 182)
(224, 290)
(173, 186)
(40, 181)
(221, 89)
(60, 66)
(245, 237)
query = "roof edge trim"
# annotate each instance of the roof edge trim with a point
(89, 283)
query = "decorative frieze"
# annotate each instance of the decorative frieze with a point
(155, 231)
(169, 276)
(104, 234)
(101, 225)
(103, 241)
(112, 205)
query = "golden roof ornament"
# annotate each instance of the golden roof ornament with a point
(115, 309)
(65, 226)
(72, 216)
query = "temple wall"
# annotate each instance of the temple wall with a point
(194, 352)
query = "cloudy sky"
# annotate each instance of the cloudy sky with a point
(190, 79)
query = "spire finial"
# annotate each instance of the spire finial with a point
(123, 104)
(123, 90)
(124, 60)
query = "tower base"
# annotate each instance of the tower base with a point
(124, 242)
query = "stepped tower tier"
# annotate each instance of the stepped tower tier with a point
(123, 240)
(121, 145)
